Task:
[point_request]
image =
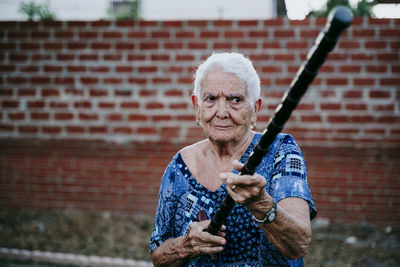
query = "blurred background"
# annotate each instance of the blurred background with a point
(95, 101)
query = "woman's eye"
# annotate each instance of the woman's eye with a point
(236, 100)
(210, 98)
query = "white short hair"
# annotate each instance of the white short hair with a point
(234, 63)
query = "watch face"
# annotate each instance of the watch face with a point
(271, 217)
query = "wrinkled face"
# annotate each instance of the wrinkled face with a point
(224, 108)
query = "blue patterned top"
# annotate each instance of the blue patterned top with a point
(181, 197)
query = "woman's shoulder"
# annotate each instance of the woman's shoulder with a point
(191, 151)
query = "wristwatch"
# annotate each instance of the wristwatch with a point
(269, 216)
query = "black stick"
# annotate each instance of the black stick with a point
(338, 20)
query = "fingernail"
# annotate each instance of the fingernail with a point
(222, 175)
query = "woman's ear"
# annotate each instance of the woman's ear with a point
(257, 105)
(194, 101)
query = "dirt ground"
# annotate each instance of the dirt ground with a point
(122, 236)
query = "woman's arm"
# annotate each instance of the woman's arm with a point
(290, 232)
(177, 251)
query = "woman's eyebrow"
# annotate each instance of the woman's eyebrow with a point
(231, 96)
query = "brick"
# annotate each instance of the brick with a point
(297, 45)
(51, 129)
(100, 46)
(122, 93)
(112, 35)
(356, 106)
(221, 45)
(363, 32)
(123, 69)
(137, 34)
(274, 22)
(98, 93)
(395, 33)
(76, 45)
(89, 80)
(137, 80)
(247, 45)
(64, 34)
(364, 81)
(88, 35)
(173, 45)
(283, 57)
(82, 104)
(125, 23)
(283, 33)
(207, 34)
(147, 69)
(154, 105)
(112, 57)
(75, 129)
(125, 46)
(114, 117)
(88, 57)
(50, 92)
(36, 104)
(149, 46)
(350, 68)
(311, 118)
(49, 68)
(146, 130)
(130, 105)
(63, 116)
(338, 119)
(336, 81)
(98, 129)
(349, 44)
(112, 81)
(64, 81)
(88, 117)
(388, 57)
(197, 45)
(234, 34)
(6, 128)
(222, 23)
(123, 130)
(16, 116)
(379, 94)
(29, 69)
(28, 129)
(106, 105)
(161, 57)
(26, 92)
(137, 117)
(377, 68)
(389, 81)
(375, 45)
(158, 118)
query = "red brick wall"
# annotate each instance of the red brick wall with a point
(91, 112)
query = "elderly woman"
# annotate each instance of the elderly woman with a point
(270, 222)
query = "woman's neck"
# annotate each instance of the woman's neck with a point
(231, 150)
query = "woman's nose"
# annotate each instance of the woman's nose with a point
(222, 109)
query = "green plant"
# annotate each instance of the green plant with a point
(36, 11)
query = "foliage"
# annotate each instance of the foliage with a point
(36, 11)
(363, 8)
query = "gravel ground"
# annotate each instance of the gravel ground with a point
(121, 236)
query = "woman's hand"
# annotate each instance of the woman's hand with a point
(198, 241)
(244, 189)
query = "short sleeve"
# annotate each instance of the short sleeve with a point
(289, 178)
(165, 210)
